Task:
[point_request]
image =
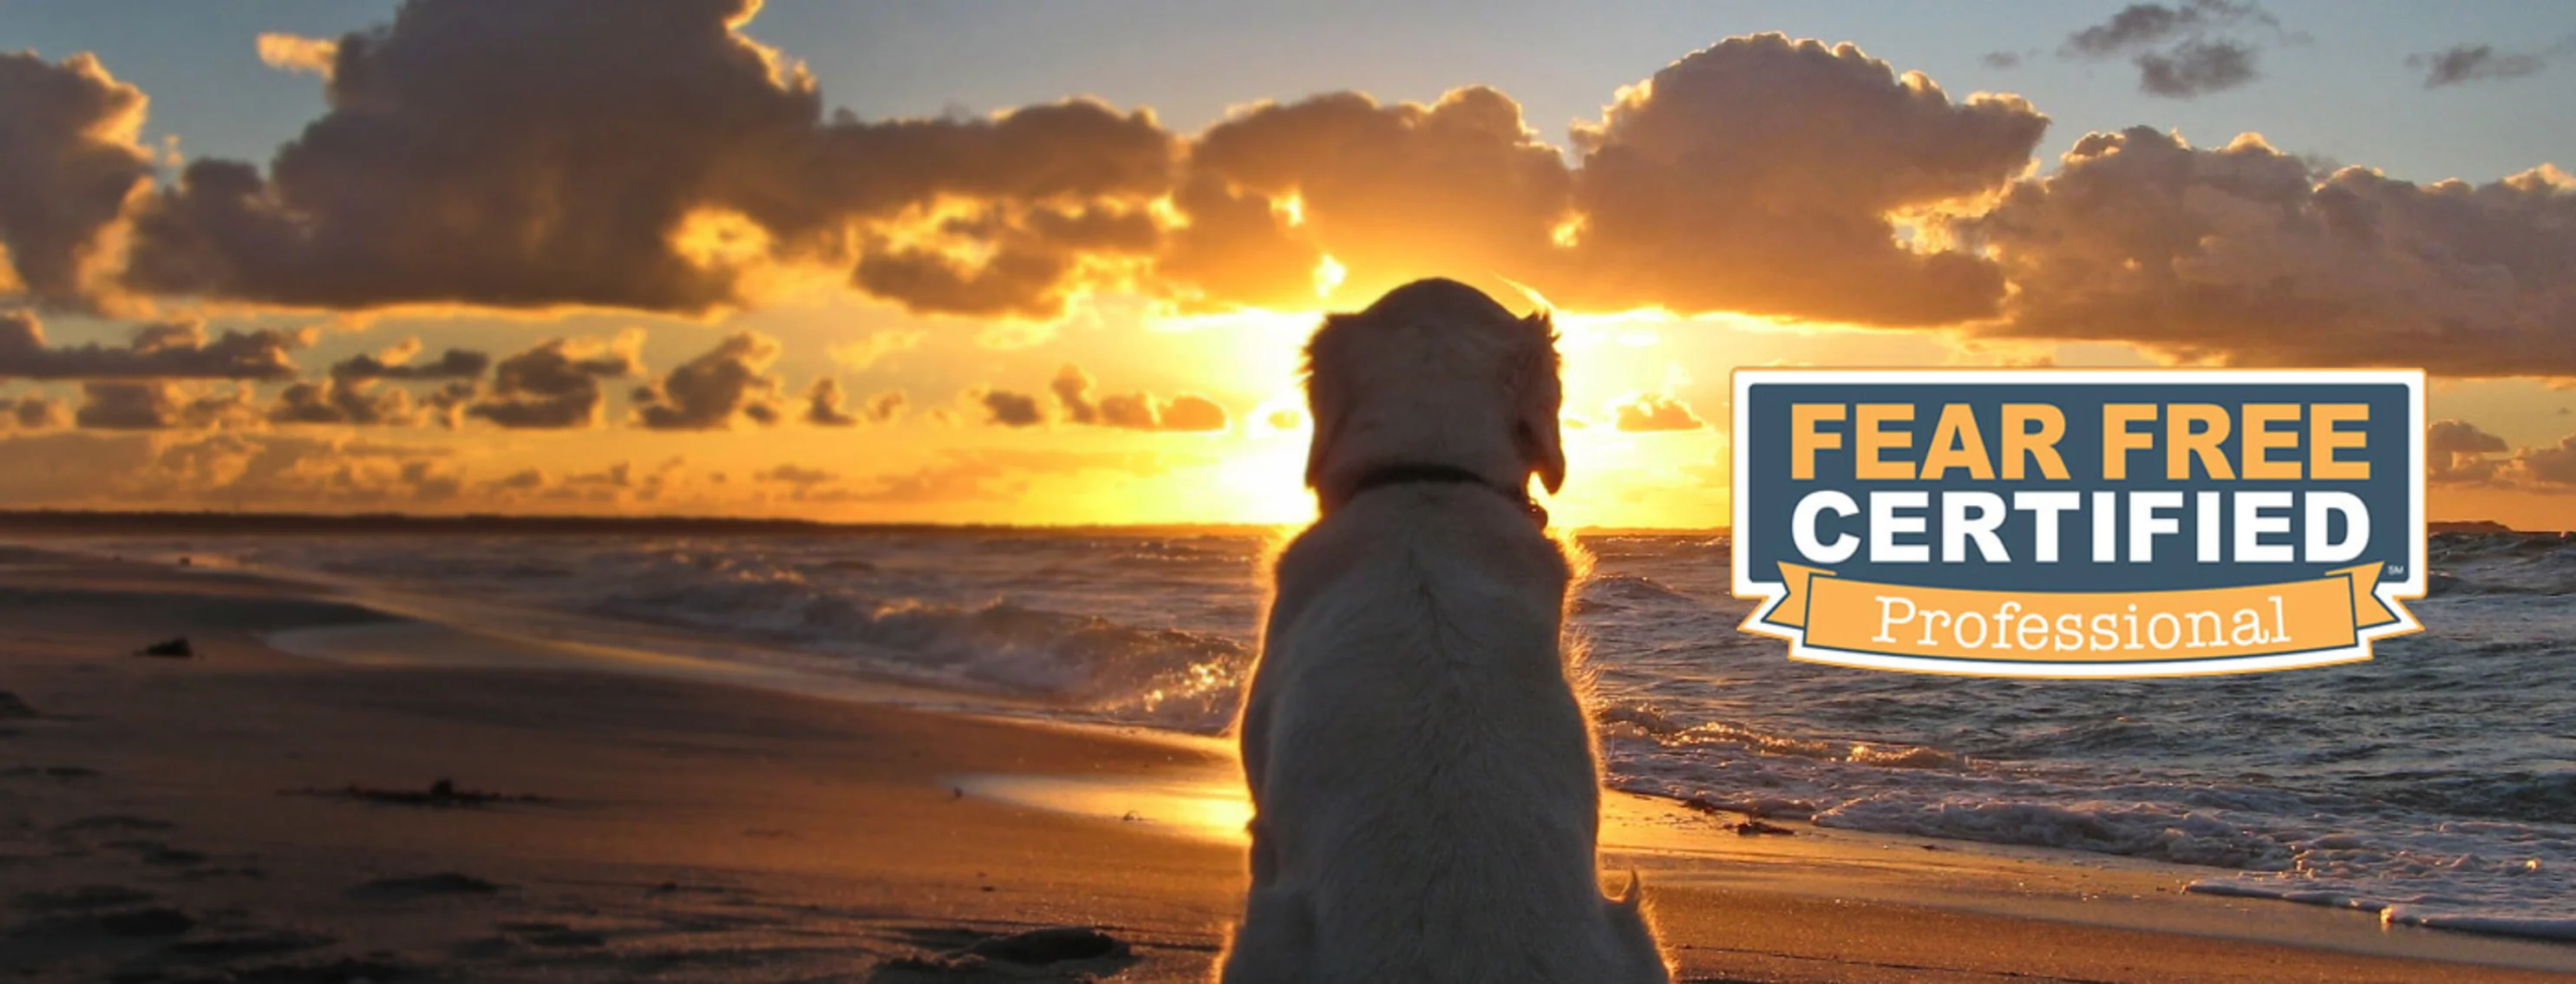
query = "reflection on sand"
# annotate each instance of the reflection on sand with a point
(1201, 809)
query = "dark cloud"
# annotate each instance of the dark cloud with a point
(2182, 50)
(1657, 412)
(396, 364)
(89, 469)
(2550, 466)
(823, 405)
(343, 401)
(708, 392)
(167, 350)
(2001, 59)
(1132, 411)
(2141, 25)
(884, 407)
(68, 163)
(1035, 253)
(1759, 176)
(620, 484)
(501, 157)
(1072, 389)
(2196, 68)
(1011, 409)
(540, 154)
(1392, 192)
(2241, 254)
(826, 406)
(2480, 62)
(447, 405)
(557, 383)
(796, 475)
(157, 405)
(2456, 452)
(523, 480)
(32, 412)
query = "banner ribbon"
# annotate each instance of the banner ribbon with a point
(2304, 615)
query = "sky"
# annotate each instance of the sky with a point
(1053, 263)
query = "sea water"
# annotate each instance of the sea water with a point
(2435, 784)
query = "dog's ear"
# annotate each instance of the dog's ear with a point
(1323, 402)
(1539, 396)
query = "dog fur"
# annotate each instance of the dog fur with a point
(1425, 788)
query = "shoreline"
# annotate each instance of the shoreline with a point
(880, 797)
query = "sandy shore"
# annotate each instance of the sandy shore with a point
(666, 819)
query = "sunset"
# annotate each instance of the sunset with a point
(828, 285)
(874, 491)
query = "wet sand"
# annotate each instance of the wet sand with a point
(656, 817)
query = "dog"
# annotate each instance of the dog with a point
(1425, 788)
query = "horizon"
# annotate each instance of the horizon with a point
(883, 264)
(10, 516)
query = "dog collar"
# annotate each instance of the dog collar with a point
(1377, 478)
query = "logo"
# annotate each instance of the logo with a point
(2073, 523)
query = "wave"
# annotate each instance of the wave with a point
(2429, 783)
(1162, 676)
(2476, 564)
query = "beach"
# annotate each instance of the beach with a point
(252, 814)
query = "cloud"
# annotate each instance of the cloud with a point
(500, 159)
(2555, 465)
(1393, 192)
(884, 407)
(343, 401)
(241, 469)
(2001, 59)
(1657, 412)
(508, 157)
(792, 474)
(2456, 452)
(2241, 254)
(1034, 254)
(157, 405)
(825, 406)
(2181, 51)
(556, 384)
(1759, 176)
(296, 53)
(32, 412)
(68, 164)
(1011, 409)
(1132, 411)
(708, 392)
(2196, 68)
(395, 363)
(2461, 63)
(165, 350)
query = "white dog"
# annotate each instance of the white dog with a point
(1426, 797)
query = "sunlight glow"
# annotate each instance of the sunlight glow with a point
(1213, 810)
(1328, 275)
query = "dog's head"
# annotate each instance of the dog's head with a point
(1435, 373)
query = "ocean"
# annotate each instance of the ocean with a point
(2435, 785)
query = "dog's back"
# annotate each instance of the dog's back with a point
(1426, 791)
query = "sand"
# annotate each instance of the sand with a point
(661, 818)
